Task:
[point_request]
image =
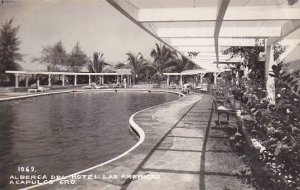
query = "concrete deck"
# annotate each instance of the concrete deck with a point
(193, 156)
(182, 150)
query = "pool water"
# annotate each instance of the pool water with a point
(65, 133)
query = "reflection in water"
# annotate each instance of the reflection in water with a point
(62, 134)
(6, 141)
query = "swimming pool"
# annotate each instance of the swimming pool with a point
(64, 133)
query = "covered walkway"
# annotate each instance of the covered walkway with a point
(198, 75)
(201, 30)
(120, 74)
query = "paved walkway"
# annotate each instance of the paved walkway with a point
(192, 155)
(182, 150)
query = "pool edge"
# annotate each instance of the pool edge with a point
(132, 126)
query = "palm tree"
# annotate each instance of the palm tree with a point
(185, 64)
(136, 63)
(98, 63)
(147, 72)
(165, 60)
(121, 65)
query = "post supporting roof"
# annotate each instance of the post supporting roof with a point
(203, 26)
(220, 16)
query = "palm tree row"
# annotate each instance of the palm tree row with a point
(97, 64)
(164, 60)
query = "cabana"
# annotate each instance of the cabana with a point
(119, 74)
(196, 73)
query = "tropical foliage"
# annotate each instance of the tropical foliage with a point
(9, 47)
(193, 54)
(77, 59)
(250, 54)
(97, 64)
(185, 64)
(55, 57)
(164, 60)
(121, 65)
(147, 73)
(137, 64)
(277, 127)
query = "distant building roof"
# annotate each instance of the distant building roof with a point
(123, 71)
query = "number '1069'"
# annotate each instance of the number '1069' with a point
(26, 169)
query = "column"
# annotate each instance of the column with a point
(75, 80)
(125, 83)
(63, 80)
(246, 72)
(49, 80)
(237, 82)
(215, 78)
(38, 81)
(102, 81)
(168, 80)
(17, 80)
(181, 81)
(118, 79)
(201, 77)
(270, 81)
(89, 79)
(129, 79)
(26, 81)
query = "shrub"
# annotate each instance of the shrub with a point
(277, 126)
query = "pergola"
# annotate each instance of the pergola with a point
(207, 27)
(120, 73)
(194, 72)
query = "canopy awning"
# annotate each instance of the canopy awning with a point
(207, 27)
(66, 73)
(123, 71)
(193, 72)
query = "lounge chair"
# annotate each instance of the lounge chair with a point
(204, 87)
(32, 90)
(39, 89)
(173, 86)
(102, 87)
(117, 85)
(87, 87)
(95, 86)
(42, 89)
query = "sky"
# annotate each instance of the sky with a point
(95, 24)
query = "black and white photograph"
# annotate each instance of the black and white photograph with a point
(150, 94)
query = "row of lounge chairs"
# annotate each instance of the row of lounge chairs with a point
(200, 88)
(94, 86)
(38, 89)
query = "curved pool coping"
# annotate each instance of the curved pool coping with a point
(35, 95)
(134, 128)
